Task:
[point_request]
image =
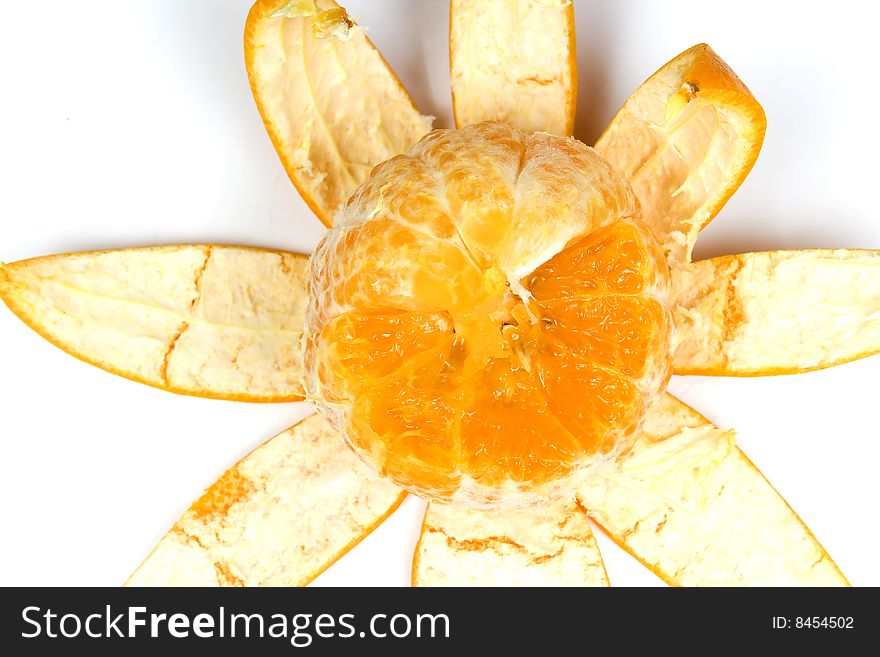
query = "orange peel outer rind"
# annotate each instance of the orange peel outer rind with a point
(279, 517)
(776, 312)
(332, 106)
(550, 545)
(689, 505)
(686, 139)
(514, 62)
(223, 322)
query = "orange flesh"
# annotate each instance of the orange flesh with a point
(481, 382)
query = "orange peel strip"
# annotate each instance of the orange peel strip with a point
(279, 517)
(689, 505)
(776, 312)
(538, 546)
(686, 140)
(331, 104)
(514, 62)
(211, 321)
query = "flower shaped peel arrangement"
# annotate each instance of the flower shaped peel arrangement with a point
(227, 322)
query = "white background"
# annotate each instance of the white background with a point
(131, 123)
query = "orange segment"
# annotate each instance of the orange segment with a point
(516, 199)
(618, 258)
(331, 105)
(378, 271)
(613, 331)
(489, 362)
(368, 346)
(414, 204)
(480, 204)
(510, 433)
(596, 405)
(685, 140)
(407, 422)
(513, 62)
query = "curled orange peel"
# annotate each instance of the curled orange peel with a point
(686, 139)
(332, 106)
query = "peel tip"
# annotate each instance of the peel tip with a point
(7, 282)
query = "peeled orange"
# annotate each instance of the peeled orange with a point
(488, 315)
